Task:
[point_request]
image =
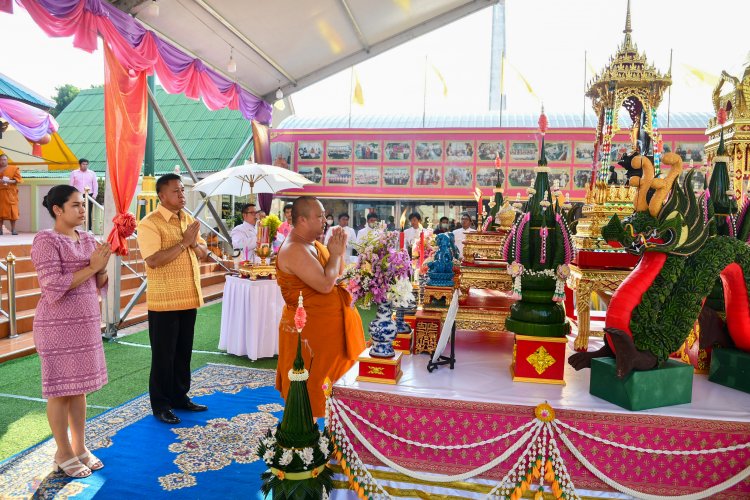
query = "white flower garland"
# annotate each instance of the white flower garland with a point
(435, 478)
(539, 438)
(650, 450)
(344, 408)
(298, 377)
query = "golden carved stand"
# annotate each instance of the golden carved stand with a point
(584, 282)
(491, 277)
(484, 246)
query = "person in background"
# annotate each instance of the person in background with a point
(460, 233)
(351, 235)
(286, 226)
(333, 334)
(443, 226)
(71, 267)
(171, 244)
(412, 233)
(372, 224)
(261, 215)
(84, 178)
(10, 177)
(245, 236)
(329, 220)
(391, 224)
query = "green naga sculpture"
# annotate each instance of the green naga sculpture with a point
(654, 309)
(296, 452)
(538, 249)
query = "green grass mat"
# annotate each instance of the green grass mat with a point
(24, 423)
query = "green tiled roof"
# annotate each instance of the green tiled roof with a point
(14, 90)
(209, 139)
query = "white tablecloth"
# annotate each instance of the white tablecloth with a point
(250, 316)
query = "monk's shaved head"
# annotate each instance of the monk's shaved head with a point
(302, 207)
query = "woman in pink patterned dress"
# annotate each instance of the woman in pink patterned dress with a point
(67, 327)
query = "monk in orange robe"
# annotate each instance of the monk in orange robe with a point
(10, 176)
(333, 337)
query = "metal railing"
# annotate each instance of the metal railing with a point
(94, 217)
(9, 268)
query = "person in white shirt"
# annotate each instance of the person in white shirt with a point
(372, 224)
(412, 233)
(460, 234)
(82, 179)
(245, 235)
(344, 224)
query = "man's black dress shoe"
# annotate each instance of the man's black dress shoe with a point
(190, 406)
(167, 417)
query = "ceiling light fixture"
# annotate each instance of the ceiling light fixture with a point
(231, 65)
(153, 8)
(281, 106)
(279, 93)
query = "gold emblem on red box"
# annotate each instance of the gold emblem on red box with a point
(541, 360)
(375, 370)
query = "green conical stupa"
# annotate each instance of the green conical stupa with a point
(545, 244)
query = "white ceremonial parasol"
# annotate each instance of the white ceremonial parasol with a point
(250, 178)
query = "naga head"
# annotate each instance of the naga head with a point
(679, 227)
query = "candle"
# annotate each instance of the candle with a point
(401, 239)
(421, 249)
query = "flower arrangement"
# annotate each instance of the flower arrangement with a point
(382, 272)
(430, 247)
(272, 222)
(296, 451)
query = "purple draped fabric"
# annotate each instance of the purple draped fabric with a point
(264, 200)
(31, 122)
(141, 50)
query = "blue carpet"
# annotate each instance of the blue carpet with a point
(208, 455)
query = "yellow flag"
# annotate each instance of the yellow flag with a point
(529, 89)
(357, 96)
(441, 78)
(702, 76)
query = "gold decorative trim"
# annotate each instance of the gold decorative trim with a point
(361, 378)
(559, 340)
(297, 476)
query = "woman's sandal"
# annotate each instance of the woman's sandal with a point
(89, 460)
(73, 468)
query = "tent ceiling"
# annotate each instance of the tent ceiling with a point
(291, 43)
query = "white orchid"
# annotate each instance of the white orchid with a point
(306, 455)
(286, 457)
(268, 456)
(401, 293)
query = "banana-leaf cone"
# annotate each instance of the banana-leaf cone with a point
(538, 251)
(296, 451)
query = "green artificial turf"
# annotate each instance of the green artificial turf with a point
(24, 423)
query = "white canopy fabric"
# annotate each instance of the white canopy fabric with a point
(292, 44)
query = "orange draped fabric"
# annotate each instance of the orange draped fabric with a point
(333, 333)
(125, 130)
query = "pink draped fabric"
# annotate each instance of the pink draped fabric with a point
(33, 123)
(125, 127)
(141, 50)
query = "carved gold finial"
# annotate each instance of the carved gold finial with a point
(628, 27)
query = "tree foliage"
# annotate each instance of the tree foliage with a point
(65, 95)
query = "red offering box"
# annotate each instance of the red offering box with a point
(539, 359)
(380, 370)
(402, 343)
(587, 259)
(427, 331)
(411, 320)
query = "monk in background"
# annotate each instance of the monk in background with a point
(333, 334)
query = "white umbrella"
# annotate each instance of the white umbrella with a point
(250, 178)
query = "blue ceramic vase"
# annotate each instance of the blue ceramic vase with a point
(383, 332)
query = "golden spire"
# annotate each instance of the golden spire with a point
(628, 27)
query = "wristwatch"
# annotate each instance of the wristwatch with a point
(182, 246)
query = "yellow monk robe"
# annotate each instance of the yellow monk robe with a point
(333, 333)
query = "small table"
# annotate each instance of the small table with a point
(250, 316)
(584, 282)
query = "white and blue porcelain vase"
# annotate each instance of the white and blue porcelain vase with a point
(383, 332)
